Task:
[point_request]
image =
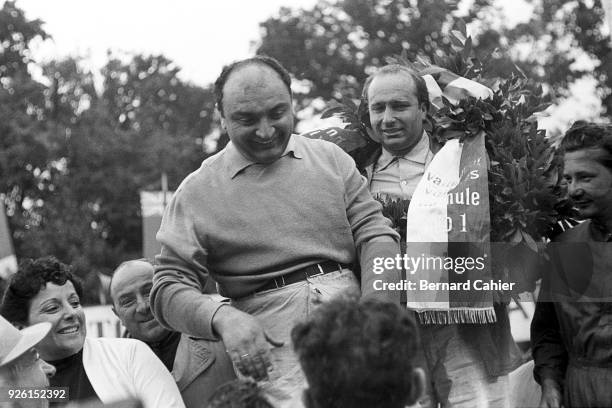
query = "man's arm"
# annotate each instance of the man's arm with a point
(177, 300)
(181, 274)
(372, 232)
(379, 248)
(178, 303)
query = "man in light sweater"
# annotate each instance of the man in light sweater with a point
(280, 221)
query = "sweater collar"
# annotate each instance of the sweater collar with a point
(236, 162)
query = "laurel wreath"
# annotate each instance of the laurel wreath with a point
(527, 204)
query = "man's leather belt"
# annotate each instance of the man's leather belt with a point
(302, 274)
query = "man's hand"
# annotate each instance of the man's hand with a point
(551, 394)
(246, 341)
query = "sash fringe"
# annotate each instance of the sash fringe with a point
(452, 316)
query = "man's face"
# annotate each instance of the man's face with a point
(130, 290)
(395, 112)
(589, 183)
(257, 113)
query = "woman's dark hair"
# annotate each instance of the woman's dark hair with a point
(32, 276)
(588, 135)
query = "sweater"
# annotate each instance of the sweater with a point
(244, 223)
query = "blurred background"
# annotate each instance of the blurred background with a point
(105, 106)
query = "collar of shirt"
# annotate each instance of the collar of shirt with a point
(236, 162)
(418, 154)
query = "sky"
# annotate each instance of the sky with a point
(201, 36)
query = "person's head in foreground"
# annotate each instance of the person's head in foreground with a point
(359, 354)
(129, 291)
(398, 103)
(238, 394)
(587, 159)
(45, 290)
(254, 99)
(20, 365)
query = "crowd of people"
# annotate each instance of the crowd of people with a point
(288, 228)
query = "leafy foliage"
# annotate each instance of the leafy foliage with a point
(353, 138)
(334, 45)
(15, 34)
(526, 204)
(397, 212)
(558, 35)
(73, 159)
(331, 45)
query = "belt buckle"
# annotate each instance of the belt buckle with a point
(321, 271)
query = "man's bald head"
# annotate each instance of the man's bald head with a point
(140, 266)
(129, 290)
(261, 60)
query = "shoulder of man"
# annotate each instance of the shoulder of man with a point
(318, 149)
(305, 142)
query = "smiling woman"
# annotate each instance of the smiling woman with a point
(106, 370)
(60, 306)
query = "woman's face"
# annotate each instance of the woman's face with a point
(60, 306)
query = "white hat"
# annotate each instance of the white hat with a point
(15, 342)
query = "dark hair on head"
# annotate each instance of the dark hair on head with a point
(421, 88)
(31, 277)
(358, 354)
(588, 135)
(256, 60)
(238, 394)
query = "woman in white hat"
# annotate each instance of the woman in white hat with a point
(20, 365)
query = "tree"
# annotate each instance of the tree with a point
(169, 116)
(24, 149)
(146, 121)
(333, 46)
(72, 160)
(16, 32)
(562, 41)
